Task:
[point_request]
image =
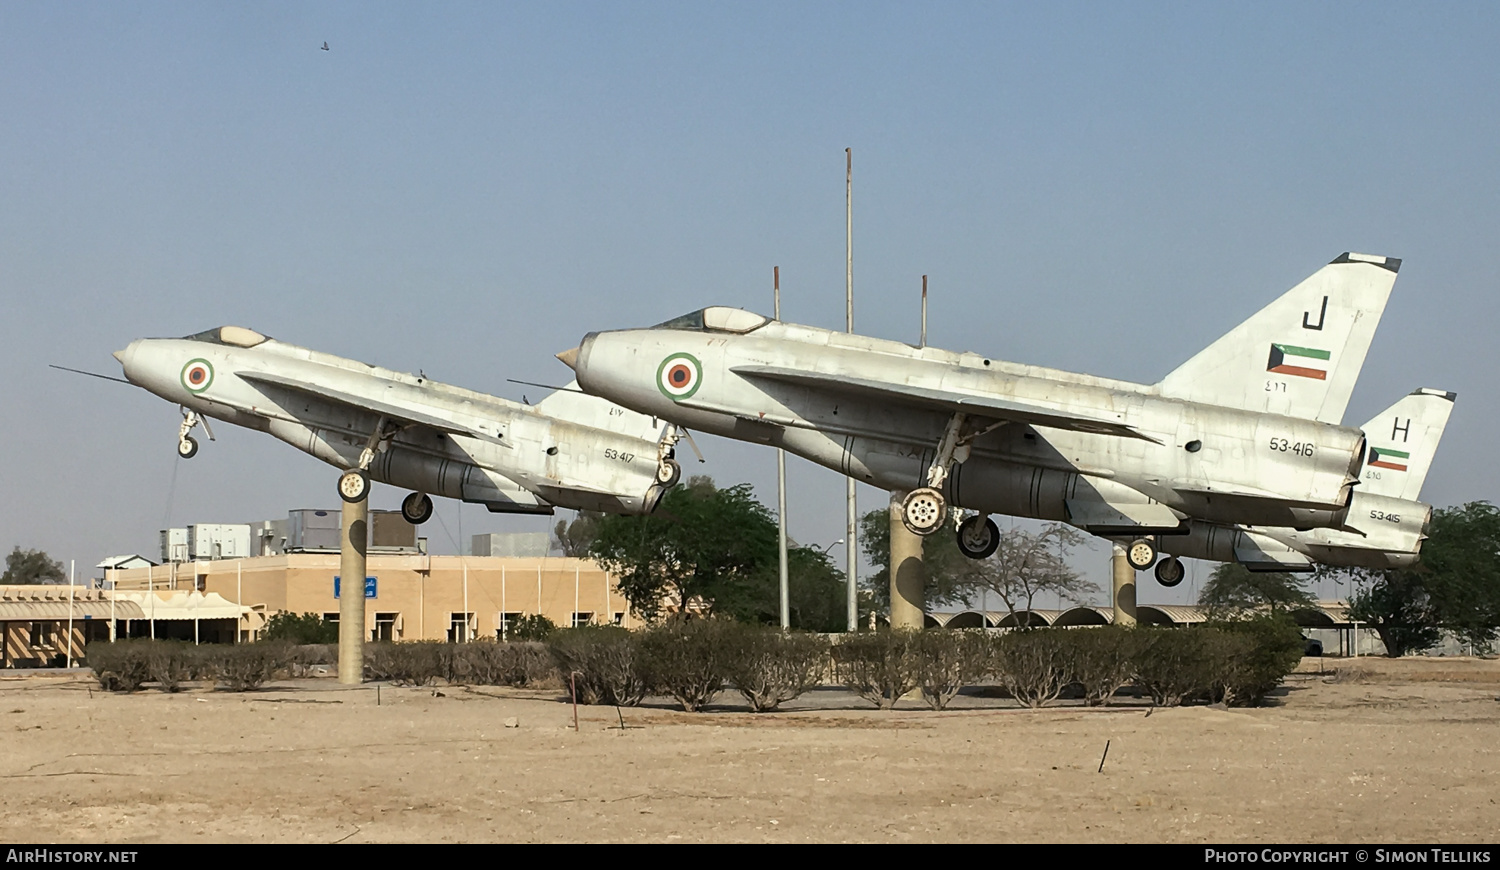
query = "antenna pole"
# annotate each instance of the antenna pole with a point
(924, 312)
(851, 532)
(786, 609)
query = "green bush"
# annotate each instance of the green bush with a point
(1103, 660)
(300, 628)
(407, 663)
(1036, 664)
(690, 659)
(879, 666)
(1262, 651)
(533, 627)
(602, 662)
(1178, 664)
(770, 667)
(949, 660)
(119, 666)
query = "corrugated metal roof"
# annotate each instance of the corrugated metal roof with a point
(1174, 614)
(42, 611)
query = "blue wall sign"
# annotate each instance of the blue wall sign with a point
(369, 587)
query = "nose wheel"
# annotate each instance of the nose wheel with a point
(1141, 554)
(923, 511)
(416, 508)
(668, 472)
(187, 445)
(354, 485)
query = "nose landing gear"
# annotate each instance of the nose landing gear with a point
(187, 446)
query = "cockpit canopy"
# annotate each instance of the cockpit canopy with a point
(717, 318)
(234, 336)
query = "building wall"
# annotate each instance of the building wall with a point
(423, 592)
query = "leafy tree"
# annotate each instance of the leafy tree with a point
(31, 568)
(1234, 590)
(815, 593)
(1455, 586)
(573, 538)
(702, 545)
(528, 627)
(300, 628)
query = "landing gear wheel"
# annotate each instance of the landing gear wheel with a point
(1141, 554)
(354, 485)
(978, 537)
(668, 472)
(1170, 571)
(416, 508)
(924, 510)
(187, 448)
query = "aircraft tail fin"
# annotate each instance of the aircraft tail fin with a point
(1403, 440)
(575, 406)
(1301, 355)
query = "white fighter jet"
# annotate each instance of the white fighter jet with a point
(1246, 433)
(570, 450)
(1386, 524)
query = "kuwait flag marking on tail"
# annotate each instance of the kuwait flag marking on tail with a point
(1304, 362)
(1384, 457)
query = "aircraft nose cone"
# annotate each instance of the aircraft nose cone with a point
(120, 355)
(570, 358)
(127, 359)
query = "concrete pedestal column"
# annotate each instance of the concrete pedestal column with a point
(1124, 587)
(908, 574)
(354, 537)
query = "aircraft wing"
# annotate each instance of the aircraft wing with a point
(944, 400)
(404, 413)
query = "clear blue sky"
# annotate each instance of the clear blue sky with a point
(469, 188)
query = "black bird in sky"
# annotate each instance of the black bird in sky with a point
(325, 46)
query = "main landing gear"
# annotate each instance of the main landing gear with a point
(924, 509)
(187, 446)
(416, 508)
(1170, 571)
(1141, 553)
(978, 537)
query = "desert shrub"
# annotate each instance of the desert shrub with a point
(1035, 665)
(879, 666)
(302, 658)
(690, 659)
(406, 663)
(490, 663)
(170, 663)
(949, 660)
(300, 628)
(602, 662)
(1259, 652)
(1102, 660)
(243, 667)
(119, 666)
(532, 627)
(1177, 664)
(770, 668)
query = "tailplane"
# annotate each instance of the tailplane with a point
(1300, 355)
(1403, 439)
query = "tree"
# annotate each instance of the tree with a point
(1028, 564)
(573, 538)
(32, 567)
(1455, 586)
(1234, 590)
(702, 545)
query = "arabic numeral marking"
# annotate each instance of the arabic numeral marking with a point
(1301, 448)
(611, 453)
(1372, 475)
(1275, 386)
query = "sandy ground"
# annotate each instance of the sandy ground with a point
(1399, 751)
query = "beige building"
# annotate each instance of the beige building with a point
(48, 626)
(409, 596)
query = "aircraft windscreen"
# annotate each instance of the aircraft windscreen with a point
(235, 336)
(717, 319)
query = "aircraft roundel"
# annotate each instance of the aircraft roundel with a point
(679, 376)
(197, 375)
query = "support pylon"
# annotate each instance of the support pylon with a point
(908, 574)
(1124, 587)
(354, 537)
